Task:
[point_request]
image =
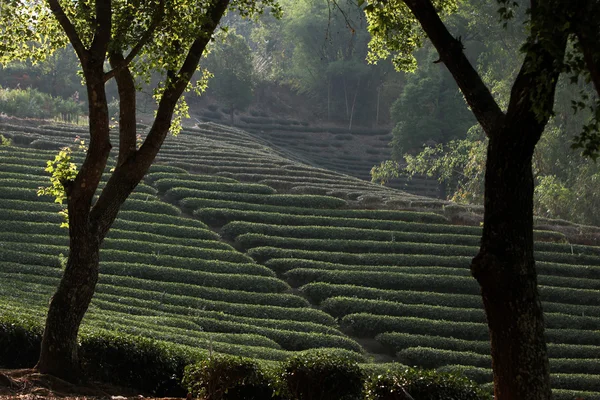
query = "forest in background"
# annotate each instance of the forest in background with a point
(311, 65)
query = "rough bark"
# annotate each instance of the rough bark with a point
(505, 270)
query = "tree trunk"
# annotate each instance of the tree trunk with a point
(58, 355)
(89, 225)
(505, 269)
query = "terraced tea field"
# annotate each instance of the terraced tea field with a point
(355, 152)
(236, 246)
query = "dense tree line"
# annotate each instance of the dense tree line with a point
(435, 134)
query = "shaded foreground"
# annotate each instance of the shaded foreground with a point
(31, 385)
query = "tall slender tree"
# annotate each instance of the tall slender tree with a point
(132, 38)
(563, 38)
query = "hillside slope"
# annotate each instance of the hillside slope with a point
(232, 245)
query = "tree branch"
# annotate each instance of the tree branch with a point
(588, 36)
(177, 84)
(103, 31)
(532, 95)
(69, 29)
(127, 102)
(131, 171)
(450, 50)
(156, 20)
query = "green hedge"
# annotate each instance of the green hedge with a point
(166, 184)
(563, 321)
(569, 295)
(262, 254)
(576, 382)
(20, 193)
(120, 359)
(280, 265)
(319, 375)
(250, 240)
(217, 321)
(137, 196)
(286, 200)
(427, 357)
(385, 280)
(187, 251)
(233, 323)
(575, 249)
(165, 302)
(177, 330)
(206, 293)
(30, 216)
(179, 192)
(142, 217)
(30, 160)
(185, 176)
(157, 168)
(150, 206)
(476, 374)
(20, 338)
(113, 258)
(369, 325)
(568, 270)
(249, 283)
(289, 178)
(567, 258)
(589, 366)
(317, 292)
(55, 240)
(342, 306)
(221, 377)
(35, 249)
(173, 229)
(562, 394)
(288, 339)
(156, 258)
(121, 234)
(142, 188)
(133, 361)
(237, 228)
(221, 216)
(422, 385)
(397, 341)
(22, 183)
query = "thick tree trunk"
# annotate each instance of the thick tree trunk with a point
(505, 270)
(58, 355)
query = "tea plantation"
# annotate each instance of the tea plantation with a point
(233, 245)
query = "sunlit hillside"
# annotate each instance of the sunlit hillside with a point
(237, 243)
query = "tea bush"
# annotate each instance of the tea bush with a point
(422, 385)
(317, 375)
(220, 377)
(317, 292)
